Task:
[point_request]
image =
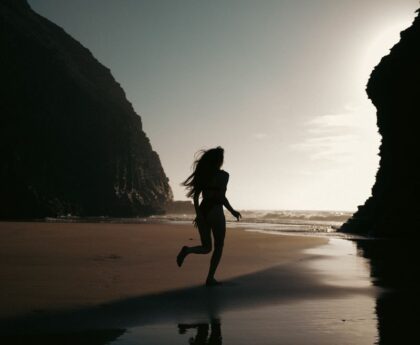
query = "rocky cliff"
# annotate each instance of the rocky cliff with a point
(70, 142)
(394, 88)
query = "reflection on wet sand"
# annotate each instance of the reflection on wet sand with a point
(202, 332)
(394, 267)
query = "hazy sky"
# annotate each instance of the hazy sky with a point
(279, 84)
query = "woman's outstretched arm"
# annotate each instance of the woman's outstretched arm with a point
(235, 213)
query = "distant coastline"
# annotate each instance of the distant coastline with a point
(180, 206)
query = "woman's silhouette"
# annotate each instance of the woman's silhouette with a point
(209, 180)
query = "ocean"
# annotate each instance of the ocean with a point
(284, 221)
(277, 221)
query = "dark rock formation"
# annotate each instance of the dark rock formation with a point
(70, 142)
(394, 88)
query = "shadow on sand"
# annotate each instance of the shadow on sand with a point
(284, 283)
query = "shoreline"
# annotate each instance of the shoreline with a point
(307, 228)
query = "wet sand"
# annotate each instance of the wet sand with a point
(105, 283)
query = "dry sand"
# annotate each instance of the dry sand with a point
(59, 266)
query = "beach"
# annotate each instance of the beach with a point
(49, 266)
(68, 278)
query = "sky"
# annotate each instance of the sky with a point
(280, 85)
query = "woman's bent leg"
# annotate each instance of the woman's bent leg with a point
(205, 237)
(205, 248)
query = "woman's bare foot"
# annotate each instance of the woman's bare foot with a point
(212, 282)
(181, 256)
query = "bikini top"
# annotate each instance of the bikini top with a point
(217, 189)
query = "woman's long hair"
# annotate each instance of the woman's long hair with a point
(205, 166)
